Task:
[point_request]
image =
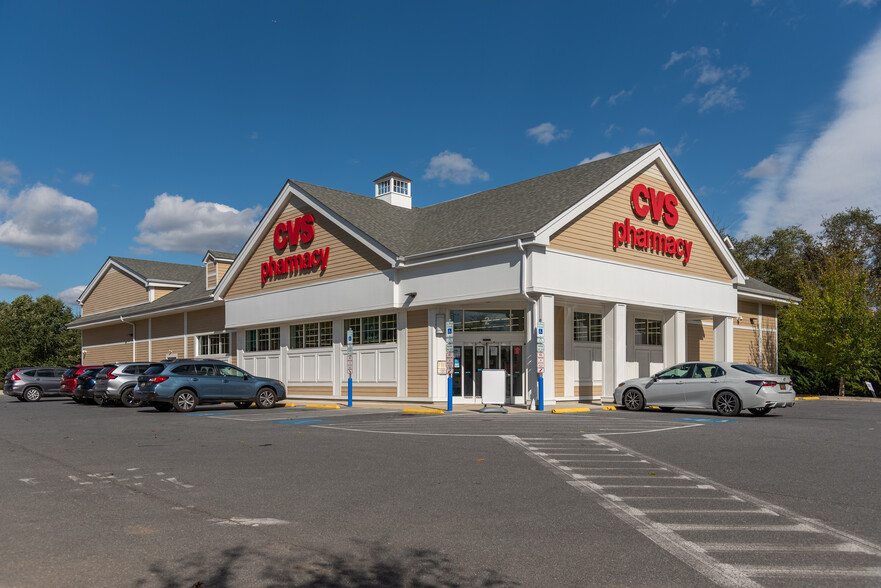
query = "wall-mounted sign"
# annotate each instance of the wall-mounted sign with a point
(660, 206)
(289, 234)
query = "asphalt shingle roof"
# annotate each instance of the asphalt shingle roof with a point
(759, 287)
(520, 208)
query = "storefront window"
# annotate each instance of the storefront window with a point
(588, 327)
(648, 332)
(373, 329)
(214, 344)
(487, 320)
(312, 335)
(268, 339)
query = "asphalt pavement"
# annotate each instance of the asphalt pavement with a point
(368, 496)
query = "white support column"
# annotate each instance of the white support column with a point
(339, 382)
(545, 304)
(674, 337)
(723, 338)
(614, 348)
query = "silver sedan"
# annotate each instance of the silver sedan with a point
(724, 387)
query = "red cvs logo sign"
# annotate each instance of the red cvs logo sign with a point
(289, 234)
(661, 206)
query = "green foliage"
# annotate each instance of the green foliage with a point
(834, 330)
(779, 259)
(35, 333)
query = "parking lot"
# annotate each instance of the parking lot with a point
(370, 496)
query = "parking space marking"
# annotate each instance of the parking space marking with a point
(692, 534)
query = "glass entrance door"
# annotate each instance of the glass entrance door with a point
(471, 358)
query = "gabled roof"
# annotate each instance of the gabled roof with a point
(219, 256)
(519, 210)
(157, 271)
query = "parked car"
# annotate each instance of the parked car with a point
(722, 386)
(117, 382)
(33, 383)
(68, 379)
(85, 382)
(184, 384)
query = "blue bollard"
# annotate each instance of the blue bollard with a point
(449, 394)
(350, 391)
(541, 392)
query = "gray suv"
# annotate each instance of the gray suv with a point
(32, 383)
(116, 383)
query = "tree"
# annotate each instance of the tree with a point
(778, 259)
(834, 325)
(34, 332)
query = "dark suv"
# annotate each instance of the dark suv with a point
(68, 379)
(32, 383)
(184, 384)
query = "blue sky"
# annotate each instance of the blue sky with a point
(159, 130)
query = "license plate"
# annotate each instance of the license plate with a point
(783, 386)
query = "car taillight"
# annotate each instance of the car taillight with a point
(157, 379)
(111, 376)
(15, 375)
(762, 382)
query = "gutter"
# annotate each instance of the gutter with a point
(134, 338)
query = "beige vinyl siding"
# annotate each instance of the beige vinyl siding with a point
(700, 343)
(142, 351)
(116, 333)
(167, 326)
(164, 347)
(749, 313)
(114, 290)
(222, 266)
(390, 392)
(206, 321)
(591, 234)
(559, 347)
(160, 292)
(769, 316)
(588, 391)
(746, 346)
(107, 354)
(210, 281)
(417, 354)
(310, 391)
(347, 256)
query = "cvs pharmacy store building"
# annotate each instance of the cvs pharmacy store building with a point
(615, 258)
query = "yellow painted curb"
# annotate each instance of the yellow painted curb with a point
(422, 411)
(807, 398)
(556, 410)
(610, 408)
(658, 407)
(288, 404)
(322, 406)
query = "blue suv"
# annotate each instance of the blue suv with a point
(183, 384)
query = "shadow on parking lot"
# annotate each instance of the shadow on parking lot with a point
(379, 566)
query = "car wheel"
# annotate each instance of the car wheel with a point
(633, 399)
(99, 400)
(242, 404)
(184, 400)
(32, 394)
(727, 403)
(162, 406)
(127, 398)
(22, 398)
(760, 411)
(266, 398)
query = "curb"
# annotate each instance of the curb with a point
(422, 411)
(322, 406)
(564, 410)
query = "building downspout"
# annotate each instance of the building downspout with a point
(530, 303)
(134, 339)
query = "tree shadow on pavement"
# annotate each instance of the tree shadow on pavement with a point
(377, 567)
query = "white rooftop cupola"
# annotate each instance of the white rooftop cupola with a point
(394, 189)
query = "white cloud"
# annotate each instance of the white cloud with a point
(17, 283)
(611, 130)
(84, 179)
(187, 226)
(452, 167)
(645, 131)
(546, 133)
(43, 221)
(722, 92)
(768, 167)
(614, 98)
(863, 3)
(595, 102)
(606, 154)
(837, 170)
(70, 296)
(9, 173)
(254, 135)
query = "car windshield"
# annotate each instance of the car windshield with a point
(750, 369)
(154, 369)
(89, 373)
(71, 372)
(677, 371)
